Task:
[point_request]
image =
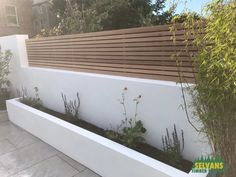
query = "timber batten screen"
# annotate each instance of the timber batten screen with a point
(145, 52)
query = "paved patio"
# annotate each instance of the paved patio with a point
(23, 155)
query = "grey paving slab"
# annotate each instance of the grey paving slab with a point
(22, 139)
(16, 135)
(87, 173)
(78, 166)
(3, 172)
(8, 129)
(25, 157)
(53, 167)
(3, 116)
(6, 146)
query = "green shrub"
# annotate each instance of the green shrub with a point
(5, 58)
(132, 134)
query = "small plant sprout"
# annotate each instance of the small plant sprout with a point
(173, 145)
(34, 102)
(71, 107)
(36, 93)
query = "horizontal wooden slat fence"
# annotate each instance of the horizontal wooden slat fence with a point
(145, 52)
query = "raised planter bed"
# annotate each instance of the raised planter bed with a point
(105, 157)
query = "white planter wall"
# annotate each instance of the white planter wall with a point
(103, 156)
(159, 107)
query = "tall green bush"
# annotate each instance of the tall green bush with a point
(80, 16)
(214, 94)
(4, 82)
(215, 103)
(4, 68)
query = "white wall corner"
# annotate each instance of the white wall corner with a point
(21, 46)
(16, 44)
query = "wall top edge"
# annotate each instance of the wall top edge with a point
(123, 78)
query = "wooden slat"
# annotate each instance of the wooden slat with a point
(127, 74)
(104, 49)
(110, 40)
(138, 62)
(101, 45)
(162, 36)
(111, 53)
(118, 57)
(113, 32)
(118, 41)
(143, 71)
(145, 52)
(116, 65)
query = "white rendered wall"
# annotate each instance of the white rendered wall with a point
(99, 94)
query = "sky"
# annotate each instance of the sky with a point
(192, 5)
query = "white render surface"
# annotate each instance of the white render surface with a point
(33, 158)
(159, 107)
(105, 157)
